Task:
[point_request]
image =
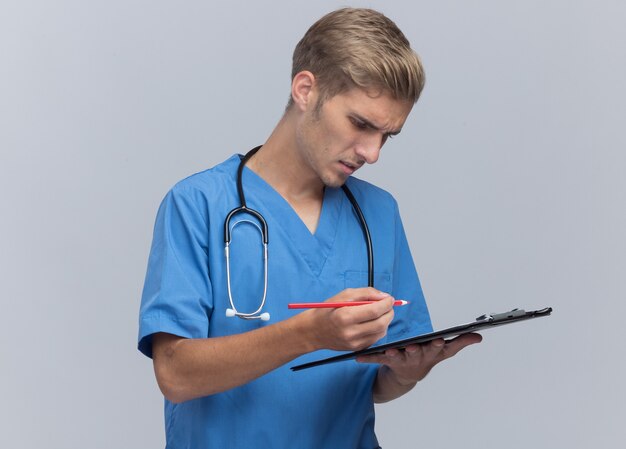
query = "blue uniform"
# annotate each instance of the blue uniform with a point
(185, 294)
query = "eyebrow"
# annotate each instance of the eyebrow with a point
(369, 124)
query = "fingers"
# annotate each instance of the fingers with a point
(355, 327)
(359, 294)
(381, 359)
(370, 316)
(423, 356)
(369, 312)
(361, 329)
(443, 349)
(453, 346)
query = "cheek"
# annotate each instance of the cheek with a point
(341, 136)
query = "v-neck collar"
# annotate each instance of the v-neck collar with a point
(314, 248)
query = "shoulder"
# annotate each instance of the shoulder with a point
(207, 186)
(369, 195)
(210, 179)
(203, 191)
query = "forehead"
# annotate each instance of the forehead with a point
(376, 106)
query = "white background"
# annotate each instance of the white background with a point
(509, 174)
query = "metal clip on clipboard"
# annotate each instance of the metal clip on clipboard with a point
(496, 317)
(482, 322)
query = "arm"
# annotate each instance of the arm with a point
(401, 370)
(192, 368)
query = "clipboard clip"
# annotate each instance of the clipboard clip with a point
(495, 317)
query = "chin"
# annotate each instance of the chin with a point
(335, 182)
(333, 178)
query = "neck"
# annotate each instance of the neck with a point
(281, 165)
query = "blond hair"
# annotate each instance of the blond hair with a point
(356, 47)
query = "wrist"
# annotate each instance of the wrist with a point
(301, 333)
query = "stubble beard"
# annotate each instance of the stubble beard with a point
(312, 155)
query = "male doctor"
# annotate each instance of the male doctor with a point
(226, 379)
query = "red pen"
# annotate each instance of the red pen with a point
(334, 305)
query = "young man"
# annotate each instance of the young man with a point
(224, 377)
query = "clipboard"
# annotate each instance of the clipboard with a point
(486, 321)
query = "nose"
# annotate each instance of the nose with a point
(369, 150)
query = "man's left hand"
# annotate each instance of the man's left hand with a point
(408, 366)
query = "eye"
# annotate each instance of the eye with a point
(358, 123)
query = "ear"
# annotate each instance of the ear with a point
(304, 90)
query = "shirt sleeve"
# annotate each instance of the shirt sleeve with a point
(177, 291)
(414, 318)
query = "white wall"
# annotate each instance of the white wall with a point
(509, 174)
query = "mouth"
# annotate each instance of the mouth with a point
(349, 168)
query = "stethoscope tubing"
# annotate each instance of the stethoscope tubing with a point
(263, 229)
(366, 235)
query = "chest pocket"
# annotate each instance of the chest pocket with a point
(357, 279)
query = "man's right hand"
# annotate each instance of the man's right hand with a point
(351, 328)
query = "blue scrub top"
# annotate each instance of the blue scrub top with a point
(185, 294)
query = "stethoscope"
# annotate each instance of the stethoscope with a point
(262, 227)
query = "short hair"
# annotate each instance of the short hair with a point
(358, 47)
